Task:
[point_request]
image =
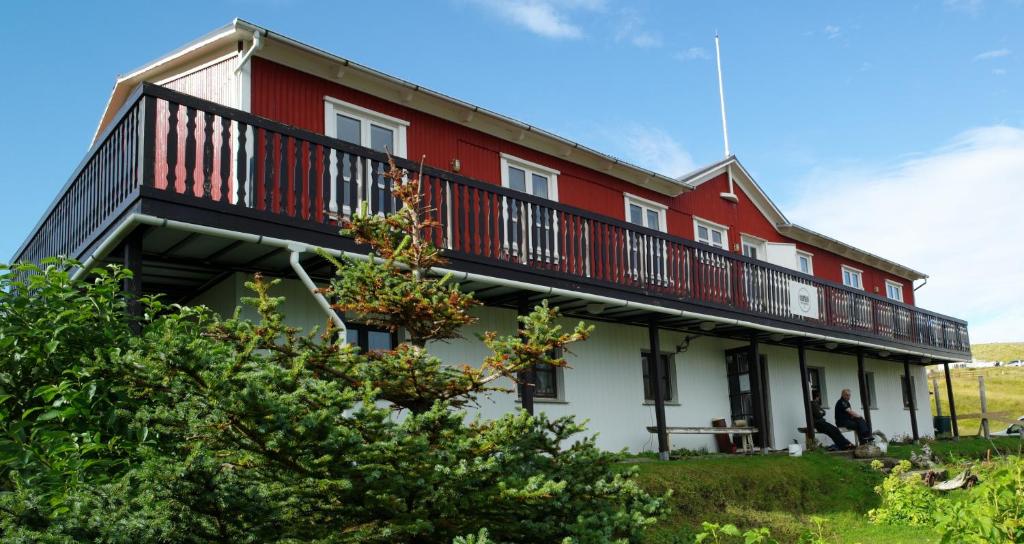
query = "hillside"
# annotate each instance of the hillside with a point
(1000, 351)
(1004, 391)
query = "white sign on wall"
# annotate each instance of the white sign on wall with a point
(803, 299)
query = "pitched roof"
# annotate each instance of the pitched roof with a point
(784, 226)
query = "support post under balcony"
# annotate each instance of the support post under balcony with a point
(862, 384)
(756, 380)
(805, 388)
(133, 285)
(527, 378)
(952, 405)
(910, 396)
(658, 379)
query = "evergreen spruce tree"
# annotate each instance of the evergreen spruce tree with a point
(239, 431)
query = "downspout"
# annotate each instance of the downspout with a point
(922, 285)
(293, 260)
(257, 44)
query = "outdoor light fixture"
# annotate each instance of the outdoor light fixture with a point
(456, 165)
(594, 308)
(831, 345)
(707, 326)
(884, 353)
(777, 337)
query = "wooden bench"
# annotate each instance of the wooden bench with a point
(746, 432)
(818, 435)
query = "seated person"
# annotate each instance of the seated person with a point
(847, 417)
(822, 426)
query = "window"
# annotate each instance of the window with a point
(668, 378)
(710, 233)
(804, 262)
(912, 391)
(537, 180)
(816, 382)
(547, 383)
(369, 338)
(894, 290)
(869, 380)
(852, 277)
(753, 247)
(367, 128)
(645, 213)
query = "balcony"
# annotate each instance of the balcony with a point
(177, 157)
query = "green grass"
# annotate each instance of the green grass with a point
(778, 492)
(1003, 392)
(965, 448)
(1002, 351)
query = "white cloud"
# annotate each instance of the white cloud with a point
(954, 213)
(631, 29)
(967, 6)
(832, 31)
(693, 53)
(546, 18)
(998, 72)
(994, 54)
(655, 149)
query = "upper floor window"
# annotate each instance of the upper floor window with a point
(753, 247)
(528, 177)
(853, 277)
(710, 233)
(894, 290)
(805, 262)
(645, 213)
(361, 126)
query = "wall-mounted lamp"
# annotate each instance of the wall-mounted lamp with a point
(707, 326)
(595, 308)
(685, 344)
(831, 345)
(777, 337)
(884, 354)
(456, 165)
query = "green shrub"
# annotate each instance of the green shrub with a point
(906, 500)
(993, 511)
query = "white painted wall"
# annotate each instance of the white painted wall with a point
(605, 382)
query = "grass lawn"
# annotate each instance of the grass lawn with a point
(778, 492)
(1000, 351)
(965, 448)
(1004, 391)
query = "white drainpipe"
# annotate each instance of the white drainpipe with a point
(293, 259)
(610, 302)
(257, 44)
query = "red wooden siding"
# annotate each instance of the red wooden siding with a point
(296, 98)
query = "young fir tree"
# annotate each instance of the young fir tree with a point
(254, 432)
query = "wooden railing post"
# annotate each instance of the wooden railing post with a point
(146, 141)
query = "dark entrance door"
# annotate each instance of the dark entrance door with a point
(742, 391)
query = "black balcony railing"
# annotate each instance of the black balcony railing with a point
(204, 152)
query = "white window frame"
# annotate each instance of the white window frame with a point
(854, 272)
(711, 225)
(810, 262)
(899, 289)
(646, 205)
(869, 382)
(760, 244)
(530, 168)
(638, 267)
(821, 384)
(334, 107)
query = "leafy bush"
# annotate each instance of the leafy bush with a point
(991, 512)
(906, 500)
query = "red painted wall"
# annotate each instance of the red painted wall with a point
(296, 98)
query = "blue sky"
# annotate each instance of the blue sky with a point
(871, 122)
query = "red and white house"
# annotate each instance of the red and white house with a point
(232, 154)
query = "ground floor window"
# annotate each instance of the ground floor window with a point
(667, 377)
(370, 338)
(545, 384)
(816, 382)
(869, 380)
